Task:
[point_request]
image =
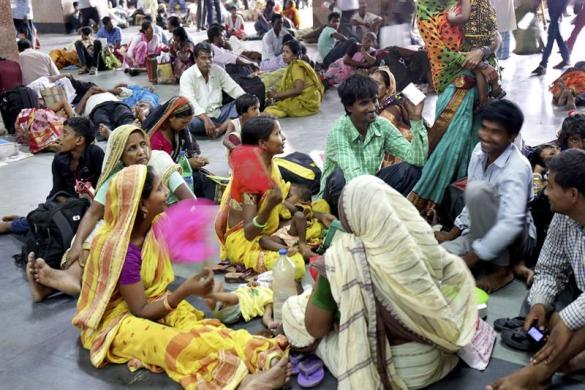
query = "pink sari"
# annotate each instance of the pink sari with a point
(339, 71)
(139, 50)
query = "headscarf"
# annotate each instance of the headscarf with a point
(115, 149)
(390, 95)
(393, 258)
(159, 117)
(293, 14)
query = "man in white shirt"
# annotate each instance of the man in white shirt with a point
(495, 230)
(221, 55)
(364, 21)
(203, 84)
(34, 63)
(272, 40)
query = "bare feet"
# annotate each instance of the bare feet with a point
(62, 280)
(500, 277)
(306, 251)
(521, 271)
(274, 378)
(38, 291)
(527, 378)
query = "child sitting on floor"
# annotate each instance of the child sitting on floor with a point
(539, 158)
(463, 18)
(292, 235)
(247, 107)
(247, 301)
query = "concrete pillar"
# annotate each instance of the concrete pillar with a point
(7, 32)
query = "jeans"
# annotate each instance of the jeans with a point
(345, 23)
(228, 111)
(112, 114)
(181, 5)
(209, 5)
(503, 52)
(555, 11)
(89, 13)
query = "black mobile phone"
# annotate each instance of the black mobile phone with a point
(536, 334)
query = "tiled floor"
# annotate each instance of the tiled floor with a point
(24, 184)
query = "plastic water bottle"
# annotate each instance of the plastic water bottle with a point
(186, 167)
(283, 282)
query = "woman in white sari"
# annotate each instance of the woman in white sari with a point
(388, 287)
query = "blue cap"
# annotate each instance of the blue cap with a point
(283, 251)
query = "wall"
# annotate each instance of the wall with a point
(7, 32)
(393, 11)
(49, 15)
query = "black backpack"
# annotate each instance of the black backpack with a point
(52, 227)
(13, 101)
(299, 168)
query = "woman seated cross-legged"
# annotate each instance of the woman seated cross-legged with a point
(388, 287)
(240, 225)
(127, 314)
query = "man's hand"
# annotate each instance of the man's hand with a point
(471, 258)
(198, 162)
(210, 128)
(414, 112)
(557, 341)
(447, 236)
(536, 314)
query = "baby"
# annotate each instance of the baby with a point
(292, 235)
(476, 41)
(248, 301)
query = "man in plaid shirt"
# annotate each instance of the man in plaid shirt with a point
(563, 253)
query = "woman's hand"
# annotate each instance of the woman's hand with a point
(73, 255)
(273, 94)
(198, 162)
(472, 59)
(489, 73)
(199, 284)
(274, 197)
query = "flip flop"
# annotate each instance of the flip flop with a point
(223, 267)
(311, 380)
(310, 364)
(241, 277)
(295, 359)
(520, 340)
(508, 323)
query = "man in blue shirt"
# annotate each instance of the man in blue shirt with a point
(110, 32)
(495, 231)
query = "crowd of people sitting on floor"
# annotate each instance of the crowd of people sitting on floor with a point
(388, 179)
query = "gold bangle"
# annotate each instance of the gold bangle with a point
(166, 303)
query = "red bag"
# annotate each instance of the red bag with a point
(10, 75)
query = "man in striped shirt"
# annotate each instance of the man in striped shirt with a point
(563, 254)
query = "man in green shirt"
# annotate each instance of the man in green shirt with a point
(358, 141)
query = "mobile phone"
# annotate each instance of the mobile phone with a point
(536, 334)
(412, 93)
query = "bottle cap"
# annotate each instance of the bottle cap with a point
(283, 251)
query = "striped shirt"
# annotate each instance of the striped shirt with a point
(356, 155)
(563, 253)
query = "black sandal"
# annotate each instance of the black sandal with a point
(519, 339)
(508, 323)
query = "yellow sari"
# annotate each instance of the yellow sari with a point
(195, 352)
(308, 102)
(236, 248)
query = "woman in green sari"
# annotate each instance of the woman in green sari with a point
(453, 60)
(300, 91)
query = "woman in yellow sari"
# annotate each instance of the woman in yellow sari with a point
(241, 225)
(300, 91)
(127, 145)
(126, 314)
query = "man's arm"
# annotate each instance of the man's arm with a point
(511, 218)
(339, 36)
(187, 88)
(552, 269)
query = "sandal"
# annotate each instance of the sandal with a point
(223, 267)
(520, 340)
(241, 277)
(311, 371)
(508, 323)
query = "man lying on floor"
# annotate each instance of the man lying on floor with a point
(563, 253)
(495, 229)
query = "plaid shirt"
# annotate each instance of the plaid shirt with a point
(356, 155)
(563, 252)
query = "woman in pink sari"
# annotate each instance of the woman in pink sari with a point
(141, 46)
(359, 56)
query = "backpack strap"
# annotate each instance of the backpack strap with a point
(66, 232)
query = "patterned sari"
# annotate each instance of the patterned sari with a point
(195, 352)
(453, 135)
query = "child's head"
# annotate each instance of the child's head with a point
(85, 32)
(542, 154)
(572, 133)
(301, 192)
(77, 133)
(248, 106)
(333, 20)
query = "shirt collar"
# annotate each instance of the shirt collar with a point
(355, 135)
(500, 161)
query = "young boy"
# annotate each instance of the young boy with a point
(89, 52)
(478, 41)
(292, 234)
(329, 34)
(76, 168)
(247, 107)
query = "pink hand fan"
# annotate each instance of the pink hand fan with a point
(187, 229)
